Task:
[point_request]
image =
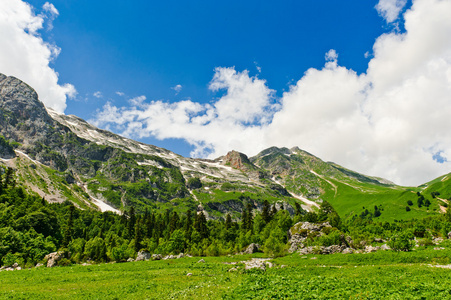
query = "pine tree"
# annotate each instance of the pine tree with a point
(244, 220)
(228, 222)
(131, 223)
(9, 179)
(200, 225)
(150, 223)
(138, 236)
(69, 229)
(173, 223)
(250, 217)
(266, 213)
(188, 225)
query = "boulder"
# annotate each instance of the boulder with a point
(130, 259)
(347, 251)
(298, 227)
(53, 258)
(449, 235)
(332, 249)
(255, 263)
(201, 260)
(181, 255)
(299, 232)
(252, 248)
(370, 248)
(385, 247)
(143, 255)
(156, 256)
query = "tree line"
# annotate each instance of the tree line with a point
(30, 228)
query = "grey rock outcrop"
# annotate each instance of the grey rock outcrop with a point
(53, 258)
(252, 248)
(142, 255)
(156, 256)
(299, 232)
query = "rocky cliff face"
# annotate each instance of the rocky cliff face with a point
(23, 117)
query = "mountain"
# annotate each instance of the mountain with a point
(62, 157)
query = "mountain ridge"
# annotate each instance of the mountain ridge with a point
(93, 167)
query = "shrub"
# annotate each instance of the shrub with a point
(194, 183)
(273, 247)
(407, 208)
(401, 242)
(64, 262)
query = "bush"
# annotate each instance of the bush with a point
(410, 203)
(9, 260)
(273, 247)
(96, 249)
(194, 183)
(401, 242)
(407, 208)
(64, 262)
(121, 253)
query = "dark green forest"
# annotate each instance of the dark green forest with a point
(30, 228)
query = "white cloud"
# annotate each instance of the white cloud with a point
(137, 101)
(120, 94)
(49, 12)
(177, 88)
(392, 121)
(98, 94)
(213, 129)
(331, 55)
(390, 9)
(25, 55)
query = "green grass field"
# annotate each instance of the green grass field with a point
(380, 275)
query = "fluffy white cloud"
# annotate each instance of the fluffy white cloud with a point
(392, 121)
(390, 9)
(50, 12)
(232, 122)
(98, 94)
(25, 55)
(177, 88)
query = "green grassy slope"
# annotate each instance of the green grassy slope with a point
(381, 275)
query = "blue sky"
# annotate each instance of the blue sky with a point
(147, 47)
(350, 81)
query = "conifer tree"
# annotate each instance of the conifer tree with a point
(188, 225)
(266, 213)
(228, 222)
(131, 223)
(250, 217)
(138, 236)
(200, 225)
(69, 229)
(244, 220)
(173, 223)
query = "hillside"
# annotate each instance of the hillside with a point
(62, 157)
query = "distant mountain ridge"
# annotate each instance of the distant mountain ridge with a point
(62, 157)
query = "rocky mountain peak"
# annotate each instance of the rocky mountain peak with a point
(21, 113)
(237, 160)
